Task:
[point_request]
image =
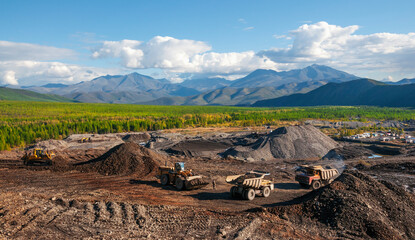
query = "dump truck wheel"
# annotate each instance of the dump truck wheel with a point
(266, 192)
(179, 184)
(250, 194)
(164, 179)
(316, 185)
(233, 192)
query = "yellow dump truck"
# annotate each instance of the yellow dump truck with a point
(179, 177)
(250, 184)
(316, 176)
(38, 156)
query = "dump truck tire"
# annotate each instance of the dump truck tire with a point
(233, 192)
(250, 194)
(316, 185)
(179, 184)
(266, 192)
(164, 179)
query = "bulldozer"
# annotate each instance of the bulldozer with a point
(84, 140)
(250, 184)
(38, 156)
(181, 178)
(316, 176)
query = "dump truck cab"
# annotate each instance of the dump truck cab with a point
(316, 176)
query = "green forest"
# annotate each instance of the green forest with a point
(23, 123)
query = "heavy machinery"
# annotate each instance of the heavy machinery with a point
(179, 177)
(316, 176)
(38, 156)
(84, 140)
(250, 184)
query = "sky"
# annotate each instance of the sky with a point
(71, 41)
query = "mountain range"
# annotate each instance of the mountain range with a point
(255, 88)
(357, 92)
(140, 89)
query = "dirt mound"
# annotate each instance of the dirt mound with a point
(198, 148)
(124, 159)
(359, 207)
(137, 137)
(348, 152)
(293, 142)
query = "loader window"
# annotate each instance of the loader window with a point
(179, 166)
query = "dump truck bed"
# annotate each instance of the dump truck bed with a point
(328, 173)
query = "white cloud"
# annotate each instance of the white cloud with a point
(180, 56)
(248, 28)
(32, 64)
(36, 73)
(34, 52)
(8, 77)
(340, 47)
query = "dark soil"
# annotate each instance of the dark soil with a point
(124, 159)
(198, 148)
(143, 137)
(405, 167)
(348, 152)
(359, 206)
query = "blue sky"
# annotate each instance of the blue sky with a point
(70, 41)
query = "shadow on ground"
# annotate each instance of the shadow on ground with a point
(211, 195)
(287, 186)
(153, 184)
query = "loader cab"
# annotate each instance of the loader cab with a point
(38, 152)
(179, 166)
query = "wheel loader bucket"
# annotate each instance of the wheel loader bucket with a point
(195, 182)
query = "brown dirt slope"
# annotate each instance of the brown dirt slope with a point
(124, 159)
(292, 142)
(360, 207)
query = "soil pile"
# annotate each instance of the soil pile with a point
(348, 152)
(198, 148)
(359, 207)
(124, 159)
(137, 138)
(293, 142)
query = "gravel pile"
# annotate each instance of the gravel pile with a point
(293, 142)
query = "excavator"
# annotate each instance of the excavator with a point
(38, 156)
(181, 178)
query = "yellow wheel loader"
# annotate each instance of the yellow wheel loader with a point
(179, 177)
(38, 156)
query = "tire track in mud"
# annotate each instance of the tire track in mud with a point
(59, 218)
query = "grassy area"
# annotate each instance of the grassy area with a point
(23, 123)
(24, 95)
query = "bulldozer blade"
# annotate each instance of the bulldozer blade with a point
(195, 183)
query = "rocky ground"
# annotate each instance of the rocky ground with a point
(103, 190)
